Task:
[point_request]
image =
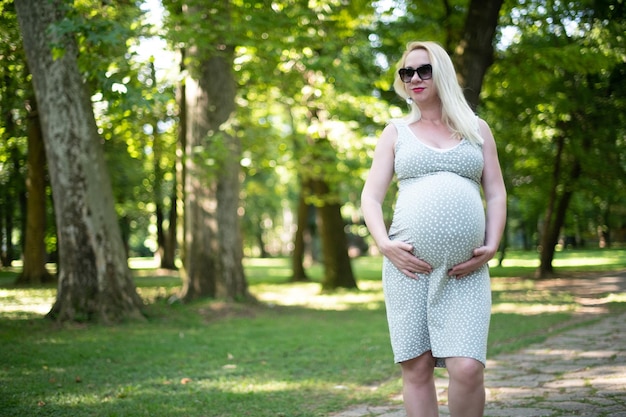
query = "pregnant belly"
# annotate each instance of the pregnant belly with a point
(442, 216)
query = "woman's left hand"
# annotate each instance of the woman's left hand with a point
(481, 256)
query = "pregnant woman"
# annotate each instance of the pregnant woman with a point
(435, 274)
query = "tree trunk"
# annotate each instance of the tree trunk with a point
(213, 245)
(504, 243)
(551, 239)
(302, 219)
(7, 251)
(95, 282)
(9, 193)
(231, 281)
(166, 246)
(168, 260)
(337, 266)
(474, 54)
(181, 162)
(200, 225)
(299, 246)
(34, 270)
(546, 240)
(555, 219)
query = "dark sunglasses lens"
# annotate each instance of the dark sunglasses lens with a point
(425, 72)
(406, 74)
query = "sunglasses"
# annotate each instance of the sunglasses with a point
(425, 72)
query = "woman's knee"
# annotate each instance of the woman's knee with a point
(418, 370)
(465, 370)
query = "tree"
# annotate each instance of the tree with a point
(34, 267)
(315, 45)
(562, 119)
(474, 53)
(94, 279)
(212, 253)
(14, 90)
(166, 230)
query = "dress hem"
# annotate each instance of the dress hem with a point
(440, 361)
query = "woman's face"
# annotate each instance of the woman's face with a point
(420, 90)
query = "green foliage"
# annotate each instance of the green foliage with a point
(314, 90)
(557, 79)
(304, 107)
(15, 96)
(134, 108)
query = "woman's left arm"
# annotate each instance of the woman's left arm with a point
(495, 197)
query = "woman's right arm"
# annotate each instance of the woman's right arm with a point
(377, 184)
(372, 197)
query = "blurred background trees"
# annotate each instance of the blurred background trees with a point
(292, 95)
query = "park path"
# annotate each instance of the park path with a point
(579, 372)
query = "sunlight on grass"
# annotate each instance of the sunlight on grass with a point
(584, 261)
(265, 386)
(527, 263)
(266, 262)
(369, 296)
(143, 263)
(531, 309)
(557, 263)
(616, 298)
(268, 278)
(512, 284)
(28, 300)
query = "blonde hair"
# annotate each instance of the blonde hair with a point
(456, 112)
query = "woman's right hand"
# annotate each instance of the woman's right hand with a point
(401, 255)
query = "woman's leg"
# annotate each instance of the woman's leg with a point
(466, 392)
(420, 395)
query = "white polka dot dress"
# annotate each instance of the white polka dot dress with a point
(440, 212)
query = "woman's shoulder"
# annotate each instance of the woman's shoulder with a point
(390, 131)
(397, 122)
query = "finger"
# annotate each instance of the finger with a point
(410, 274)
(422, 266)
(407, 247)
(479, 251)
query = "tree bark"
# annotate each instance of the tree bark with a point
(474, 54)
(199, 272)
(7, 250)
(546, 240)
(181, 162)
(166, 246)
(231, 282)
(213, 244)
(555, 219)
(10, 193)
(168, 260)
(553, 228)
(299, 245)
(34, 270)
(95, 282)
(337, 265)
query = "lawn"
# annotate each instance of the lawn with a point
(298, 352)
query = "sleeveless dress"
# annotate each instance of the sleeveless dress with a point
(439, 210)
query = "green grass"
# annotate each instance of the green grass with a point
(298, 353)
(524, 263)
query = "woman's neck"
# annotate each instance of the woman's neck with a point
(431, 111)
(431, 116)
